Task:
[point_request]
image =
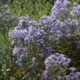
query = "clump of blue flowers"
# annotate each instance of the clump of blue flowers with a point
(35, 40)
(56, 67)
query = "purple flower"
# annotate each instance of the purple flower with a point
(73, 69)
(54, 69)
(45, 74)
(76, 10)
(59, 8)
(19, 60)
(46, 19)
(18, 34)
(57, 58)
(73, 76)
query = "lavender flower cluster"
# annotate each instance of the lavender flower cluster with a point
(56, 67)
(36, 38)
(56, 59)
(76, 10)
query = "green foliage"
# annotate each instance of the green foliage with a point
(34, 8)
(6, 23)
(75, 1)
